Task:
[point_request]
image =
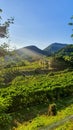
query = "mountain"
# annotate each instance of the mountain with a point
(54, 47)
(30, 53)
(35, 50)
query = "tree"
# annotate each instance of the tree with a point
(71, 24)
(4, 33)
(4, 27)
(4, 46)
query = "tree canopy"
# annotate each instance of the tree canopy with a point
(4, 27)
(71, 24)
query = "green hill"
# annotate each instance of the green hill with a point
(66, 51)
(28, 96)
(63, 58)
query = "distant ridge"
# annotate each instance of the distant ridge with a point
(54, 47)
(34, 53)
(35, 49)
(30, 53)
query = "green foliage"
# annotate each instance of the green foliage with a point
(4, 26)
(58, 63)
(66, 51)
(4, 47)
(5, 121)
(4, 103)
(44, 122)
(31, 90)
(23, 89)
(2, 82)
(64, 57)
(71, 24)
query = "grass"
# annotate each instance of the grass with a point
(42, 121)
(66, 126)
(37, 116)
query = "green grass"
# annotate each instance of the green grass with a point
(45, 120)
(66, 126)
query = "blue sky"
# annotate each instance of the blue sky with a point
(38, 22)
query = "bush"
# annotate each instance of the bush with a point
(5, 121)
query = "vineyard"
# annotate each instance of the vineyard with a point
(25, 96)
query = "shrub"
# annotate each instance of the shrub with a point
(5, 121)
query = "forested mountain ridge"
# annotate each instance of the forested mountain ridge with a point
(33, 52)
(54, 47)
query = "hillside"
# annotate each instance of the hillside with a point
(54, 47)
(28, 88)
(35, 49)
(66, 51)
(19, 56)
(25, 98)
(63, 58)
(30, 53)
(33, 53)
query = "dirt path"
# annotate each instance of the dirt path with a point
(57, 124)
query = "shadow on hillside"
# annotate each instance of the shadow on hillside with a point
(27, 114)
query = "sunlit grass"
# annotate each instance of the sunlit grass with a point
(45, 120)
(66, 126)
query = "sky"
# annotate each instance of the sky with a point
(38, 22)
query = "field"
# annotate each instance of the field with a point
(25, 95)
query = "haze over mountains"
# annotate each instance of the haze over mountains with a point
(33, 53)
(51, 49)
(57, 51)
